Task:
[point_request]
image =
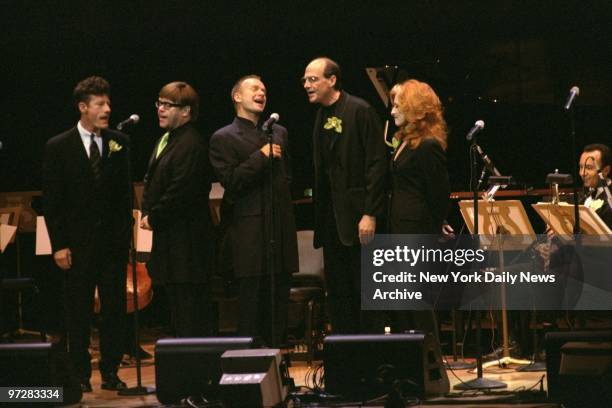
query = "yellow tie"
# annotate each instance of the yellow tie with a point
(162, 144)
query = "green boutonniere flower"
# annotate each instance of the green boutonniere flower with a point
(333, 123)
(113, 147)
(394, 144)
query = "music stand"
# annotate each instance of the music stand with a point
(7, 235)
(503, 225)
(9, 225)
(561, 218)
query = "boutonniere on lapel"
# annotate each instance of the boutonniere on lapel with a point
(333, 123)
(394, 144)
(113, 147)
(596, 204)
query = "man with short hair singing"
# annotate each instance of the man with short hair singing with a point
(240, 154)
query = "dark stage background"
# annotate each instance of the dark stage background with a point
(510, 63)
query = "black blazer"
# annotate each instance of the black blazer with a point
(604, 212)
(175, 198)
(420, 190)
(78, 213)
(358, 165)
(242, 171)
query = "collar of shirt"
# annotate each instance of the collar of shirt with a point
(86, 138)
(246, 123)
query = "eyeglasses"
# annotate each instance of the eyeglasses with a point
(167, 105)
(309, 79)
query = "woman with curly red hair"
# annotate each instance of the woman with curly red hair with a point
(420, 186)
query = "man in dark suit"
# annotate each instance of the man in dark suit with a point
(240, 155)
(349, 191)
(595, 164)
(88, 209)
(175, 208)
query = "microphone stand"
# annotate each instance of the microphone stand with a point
(271, 244)
(576, 230)
(139, 389)
(478, 383)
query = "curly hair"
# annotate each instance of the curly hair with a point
(93, 85)
(423, 111)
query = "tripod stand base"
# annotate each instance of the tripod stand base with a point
(459, 365)
(506, 361)
(138, 390)
(534, 366)
(480, 384)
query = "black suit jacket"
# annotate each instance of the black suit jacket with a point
(242, 170)
(605, 211)
(358, 165)
(175, 198)
(80, 214)
(420, 190)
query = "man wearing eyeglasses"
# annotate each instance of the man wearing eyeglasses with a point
(240, 155)
(349, 196)
(175, 208)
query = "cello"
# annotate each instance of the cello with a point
(145, 289)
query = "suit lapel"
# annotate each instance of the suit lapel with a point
(80, 155)
(154, 160)
(316, 138)
(339, 108)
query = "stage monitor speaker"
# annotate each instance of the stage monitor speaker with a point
(191, 366)
(252, 378)
(363, 367)
(38, 365)
(578, 367)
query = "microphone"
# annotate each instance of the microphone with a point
(478, 126)
(574, 92)
(132, 120)
(271, 121)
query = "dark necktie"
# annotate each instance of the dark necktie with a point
(94, 159)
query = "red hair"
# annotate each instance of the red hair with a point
(423, 111)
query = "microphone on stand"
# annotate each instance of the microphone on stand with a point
(132, 120)
(574, 92)
(478, 126)
(267, 126)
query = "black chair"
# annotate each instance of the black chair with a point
(307, 289)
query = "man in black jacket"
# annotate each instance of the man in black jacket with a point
(175, 207)
(595, 164)
(88, 209)
(349, 192)
(240, 156)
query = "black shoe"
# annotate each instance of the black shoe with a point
(110, 381)
(86, 386)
